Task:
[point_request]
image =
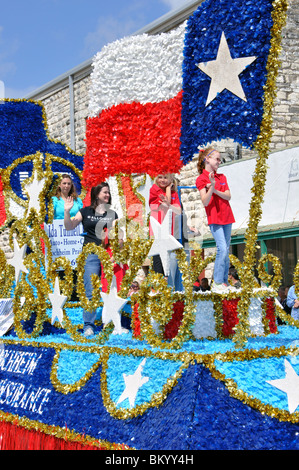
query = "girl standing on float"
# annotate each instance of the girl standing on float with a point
(162, 197)
(215, 196)
(97, 219)
(67, 189)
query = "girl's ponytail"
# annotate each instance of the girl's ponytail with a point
(202, 159)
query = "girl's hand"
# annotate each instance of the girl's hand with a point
(68, 203)
(164, 199)
(212, 178)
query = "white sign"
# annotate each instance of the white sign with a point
(64, 242)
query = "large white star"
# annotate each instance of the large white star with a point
(17, 259)
(289, 385)
(57, 300)
(225, 71)
(164, 242)
(132, 384)
(112, 307)
(34, 189)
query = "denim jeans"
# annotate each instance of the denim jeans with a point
(222, 235)
(174, 278)
(92, 266)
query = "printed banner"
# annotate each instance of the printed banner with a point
(64, 242)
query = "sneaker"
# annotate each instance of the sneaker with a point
(220, 288)
(88, 332)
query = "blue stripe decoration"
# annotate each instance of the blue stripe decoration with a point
(248, 33)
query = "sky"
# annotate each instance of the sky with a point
(42, 39)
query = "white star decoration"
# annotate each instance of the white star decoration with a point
(57, 300)
(225, 71)
(132, 384)
(164, 242)
(289, 385)
(34, 189)
(17, 259)
(112, 307)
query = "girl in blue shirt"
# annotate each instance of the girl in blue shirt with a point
(66, 189)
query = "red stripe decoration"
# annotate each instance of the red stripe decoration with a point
(13, 437)
(133, 203)
(133, 138)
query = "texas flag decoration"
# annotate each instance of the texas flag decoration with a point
(155, 99)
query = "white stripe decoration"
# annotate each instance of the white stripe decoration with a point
(156, 61)
(6, 315)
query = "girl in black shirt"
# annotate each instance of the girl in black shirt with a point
(96, 219)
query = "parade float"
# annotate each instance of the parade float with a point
(166, 370)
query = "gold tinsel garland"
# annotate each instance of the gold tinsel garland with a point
(46, 174)
(157, 398)
(37, 159)
(70, 388)
(296, 277)
(259, 177)
(6, 276)
(236, 392)
(277, 268)
(160, 306)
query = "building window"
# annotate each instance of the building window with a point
(285, 249)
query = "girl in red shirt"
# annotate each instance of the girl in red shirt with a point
(215, 195)
(164, 196)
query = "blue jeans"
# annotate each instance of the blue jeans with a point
(222, 235)
(175, 275)
(92, 266)
(174, 278)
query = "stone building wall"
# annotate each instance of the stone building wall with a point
(57, 109)
(286, 111)
(81, 89)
